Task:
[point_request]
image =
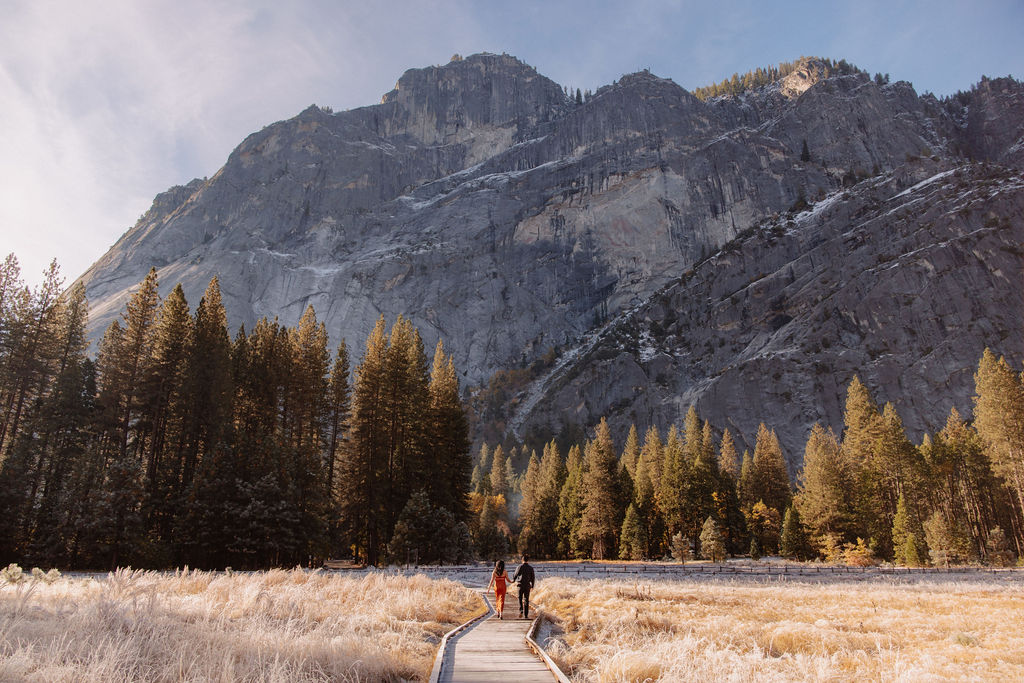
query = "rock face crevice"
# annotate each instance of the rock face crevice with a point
(497, 213)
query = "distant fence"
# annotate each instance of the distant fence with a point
(585, 569)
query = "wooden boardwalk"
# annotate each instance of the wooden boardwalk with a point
(495, 650)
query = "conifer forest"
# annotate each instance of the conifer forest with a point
(179, 444)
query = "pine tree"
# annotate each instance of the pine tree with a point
(570, 507)
(339, 414)
(209, 382)
(365, 464)
(482, 471)
(793, 542)
(728, 506)
(305, 434)
(765, 523)
(601, 519)
(728, 461)
(552, 477)
(29, 328)
(948, 540)
(862, 430)
(712, 542)
(748, 483)
(645, 492)
(962, 481)
(672, 486)
(530, 531)
(140, 319)
(907, 537)
(755, 547)
(633, 537)
(680, 548)
(824, 484)
(449, 438)
(500, 485)
(490, 542)
(999, 419)
(771, 480)
(165, 411)
(631, 452)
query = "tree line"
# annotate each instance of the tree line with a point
(762, 76)
(180, 445)
(867, 496)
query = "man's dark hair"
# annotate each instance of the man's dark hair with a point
(526, 558)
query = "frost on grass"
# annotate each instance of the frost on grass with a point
(748, 630)
(201, 626)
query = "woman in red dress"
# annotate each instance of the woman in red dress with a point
(500, 581)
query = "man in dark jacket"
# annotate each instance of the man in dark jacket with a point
(524, 579)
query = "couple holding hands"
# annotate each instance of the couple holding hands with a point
(523, 578)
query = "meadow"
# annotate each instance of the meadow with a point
(203, 626)
(758, 629)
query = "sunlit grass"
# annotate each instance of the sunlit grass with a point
(756, 631)
(201, 626)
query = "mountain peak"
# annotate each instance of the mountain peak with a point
(484, 89)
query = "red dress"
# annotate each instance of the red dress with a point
(500, 587)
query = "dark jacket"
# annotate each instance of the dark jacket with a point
(524, 576)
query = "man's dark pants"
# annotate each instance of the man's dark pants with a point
(524, 601)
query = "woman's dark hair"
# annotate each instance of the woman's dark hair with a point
(499, 566)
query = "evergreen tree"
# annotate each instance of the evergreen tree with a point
(339, 414)
(824, 484)
(490, 542)
(793, 542)
(948, 540)
(365, 464)
(728, 460)
(449, 438)
(748, 483)
(482, 471)
(549, 487)
(907, 537)
(674, 476)
(727, 499)
(570, 507)
(529, 521)
(712, 542)
(863, 428)
(500, 485)
(680, 548)
(29, 335)
(631, 452)
(164, 413)
(601, 520)
(633, 537)
(999, 419)
(962, 481)
(209, 382)
(765, 524)
(771, 480)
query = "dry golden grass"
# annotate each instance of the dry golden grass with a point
(200, 626)
(755, 631)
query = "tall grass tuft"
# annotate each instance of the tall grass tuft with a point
(203, 626)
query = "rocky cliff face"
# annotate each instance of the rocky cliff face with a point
(902, 280)
(503, 217)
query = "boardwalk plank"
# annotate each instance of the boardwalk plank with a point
(494, 650)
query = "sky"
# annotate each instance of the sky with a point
(106, 103)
